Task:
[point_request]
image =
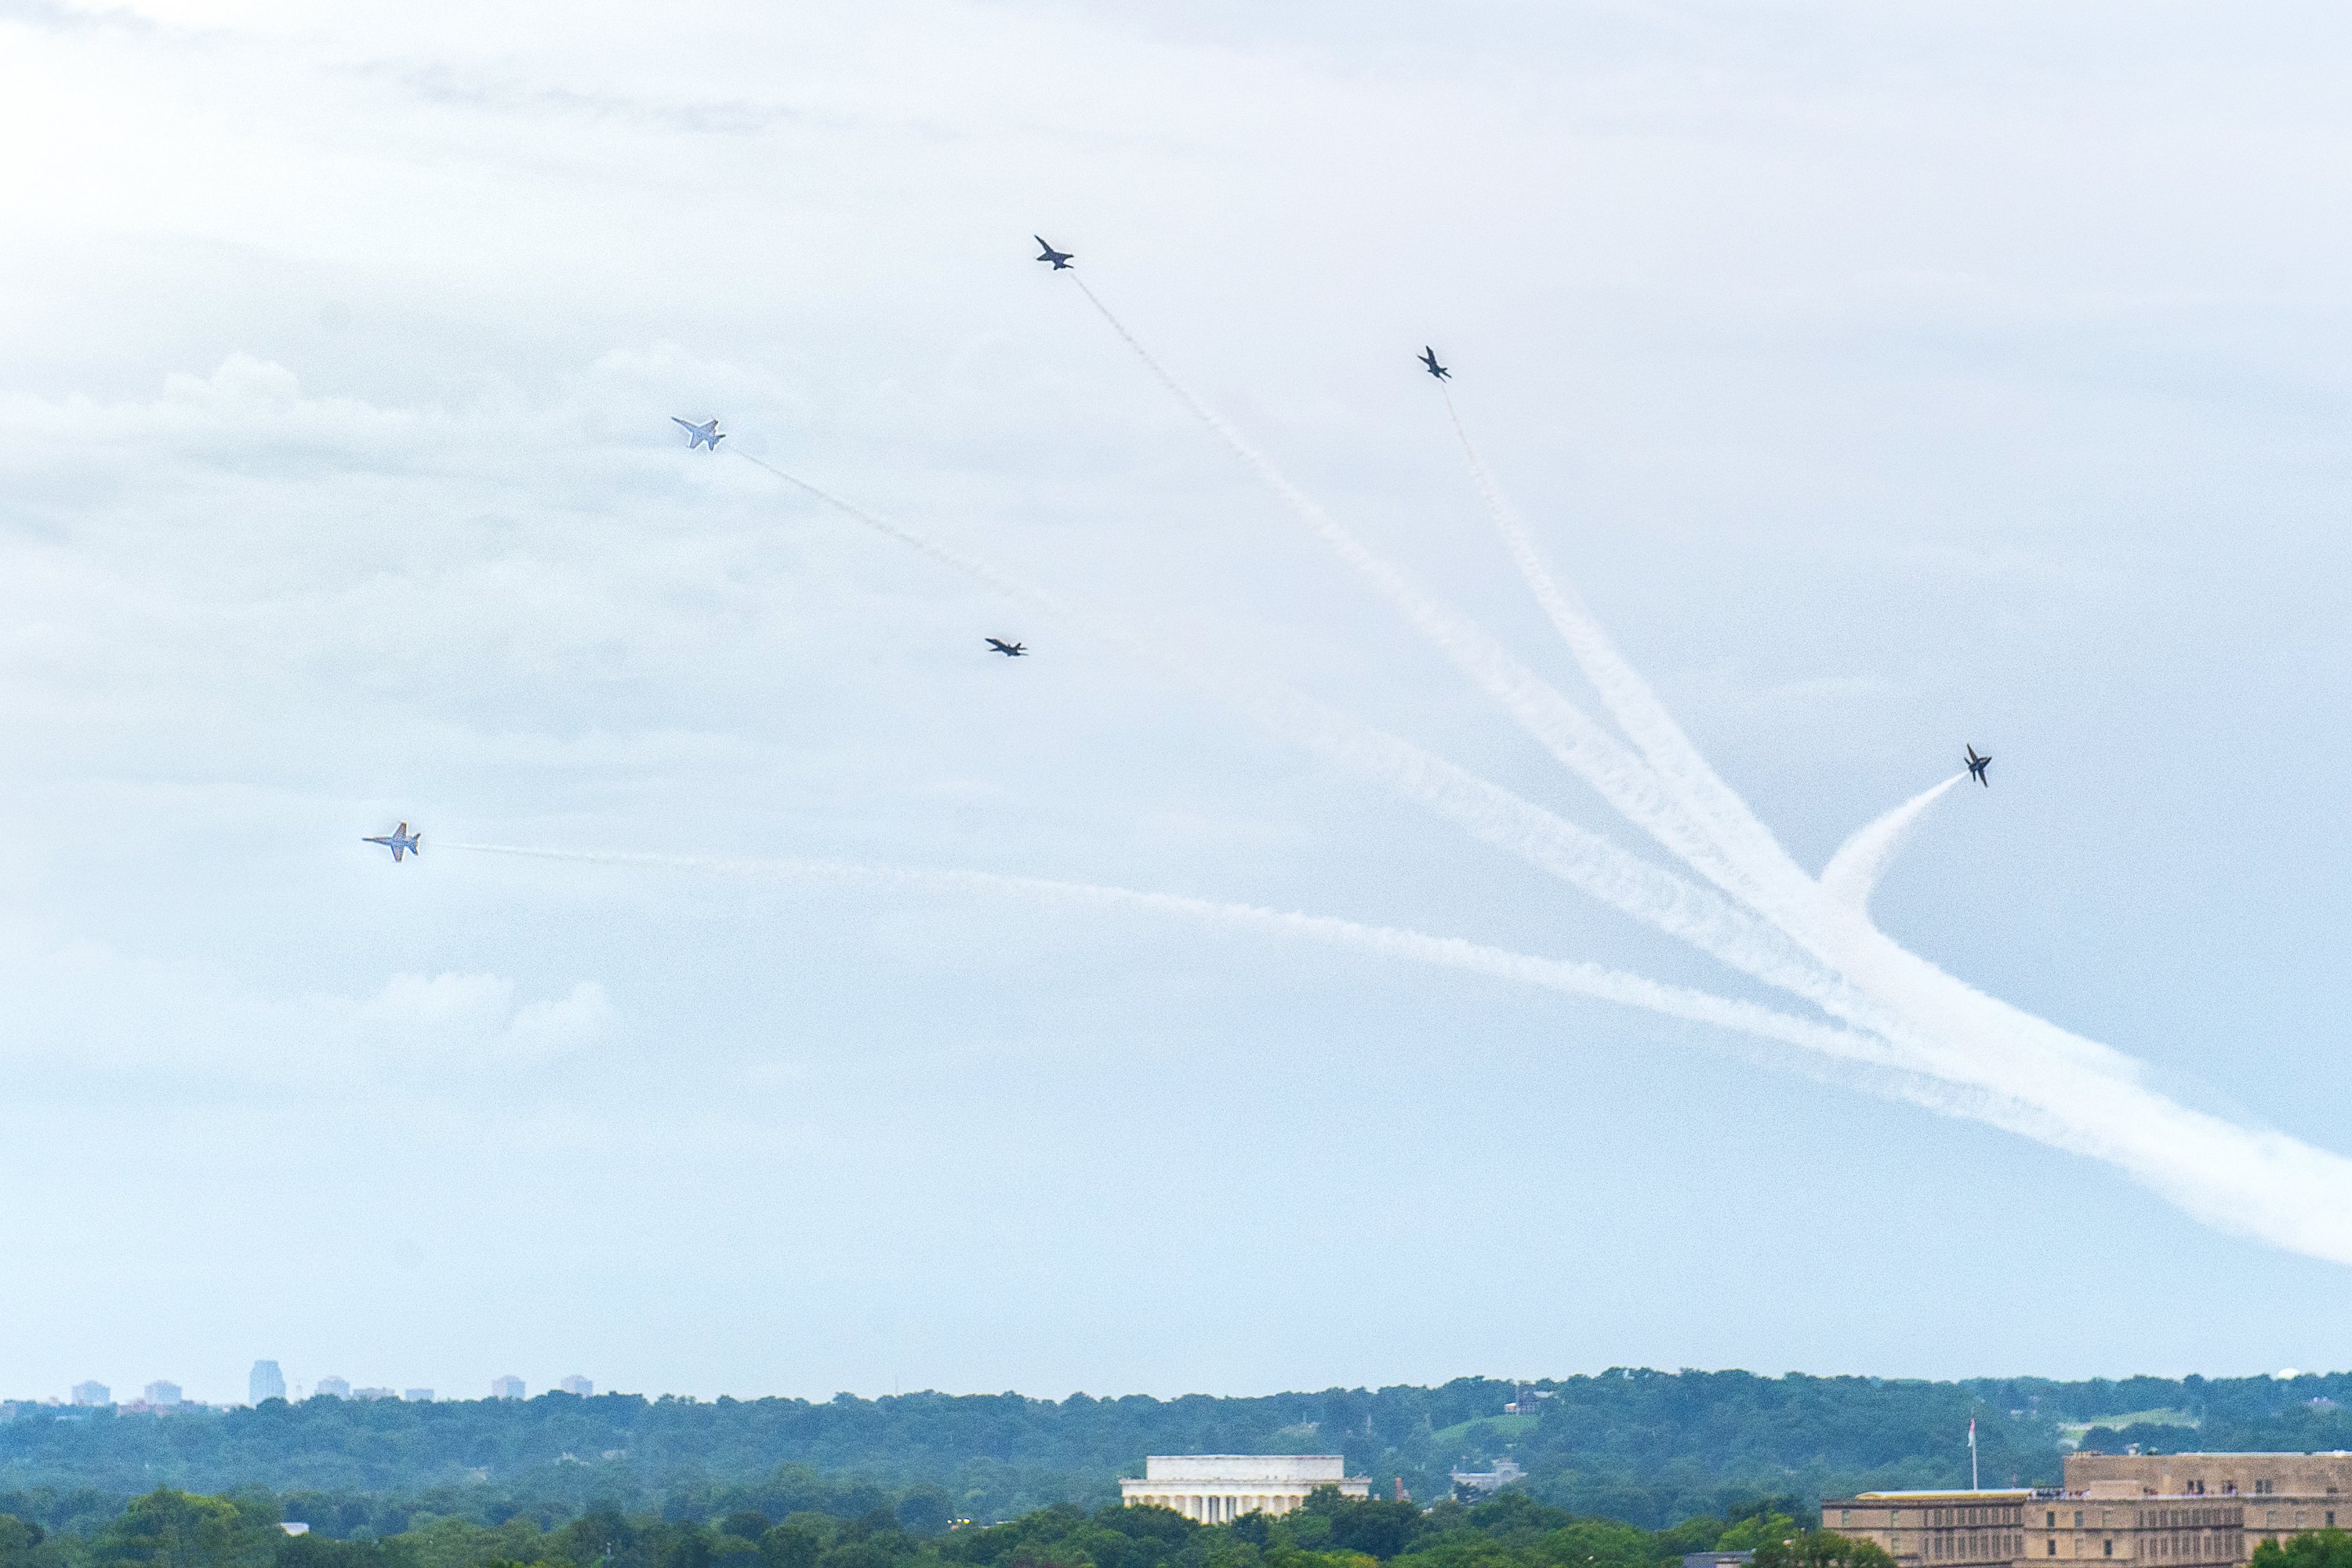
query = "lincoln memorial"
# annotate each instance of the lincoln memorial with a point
(1218, 1488)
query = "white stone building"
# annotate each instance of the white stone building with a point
(1217, 1488)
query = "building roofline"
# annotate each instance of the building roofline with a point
(2004, 1494)
(2226, 1454)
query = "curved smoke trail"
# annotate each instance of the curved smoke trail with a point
(2038, 1078)
(1853, 873)
(1934, 1040)
(1911, 1000)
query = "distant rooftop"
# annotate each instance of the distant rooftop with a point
(1311, 1468)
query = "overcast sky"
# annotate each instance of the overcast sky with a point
(1889, 377)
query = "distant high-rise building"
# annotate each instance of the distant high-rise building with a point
(332, 1388)
(577, 1384)
(92, 1392)
(267, 1382)
(417, 1395)
(506, 1388)
(373, 1394)
(162, 1393)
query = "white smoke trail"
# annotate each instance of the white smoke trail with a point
(1565, 975)
(954, 560)
(1558, 725)
(1854, 871)
(1909, 990)
(1494, 816)
(2147, 1136)
(2035, 1078)
(1685, 772)
(1937, 1042)
(1759, 875)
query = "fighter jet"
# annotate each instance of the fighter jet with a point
(1008, 649)
(1977, 767)
(1429, 360)
(1060, 258)
(706, 434)
(400, 841)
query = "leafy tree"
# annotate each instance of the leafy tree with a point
(18, 1537)
(2312, 1549)
(744, 1524)
(797, 1542)
(1380, 1530)
(923, 1512)
(1822, 1548)
(1758, 1530)
(167, 1528)
(24, 1545)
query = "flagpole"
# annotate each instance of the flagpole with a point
(1973, 1485)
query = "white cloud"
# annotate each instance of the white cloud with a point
(84, 1012)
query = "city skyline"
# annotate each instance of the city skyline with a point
(267, 1379)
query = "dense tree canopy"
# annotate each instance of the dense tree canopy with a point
(167, 1528)
(1645, 1448)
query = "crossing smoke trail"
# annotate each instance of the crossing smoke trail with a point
(1793, 902)
(2022, 1072)
(1932, 1039)
(1558, 725)
(2062, 1089)
(1694, 785)
(1853, 873)
(1956, 1029)
(1633, 887)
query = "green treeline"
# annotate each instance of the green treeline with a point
(167, 1528)
(2313, 1549)
(1645, 1448)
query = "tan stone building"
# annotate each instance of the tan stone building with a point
(1216, 1489)
(2021, 1529)
(1937, 1529)
(2146, 1529)
(2281, 1495)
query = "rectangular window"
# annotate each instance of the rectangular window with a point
(2106, 1549)
(2331, 1519)
(2053, 1519)
(2078, 1519)
(2053, 1544)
